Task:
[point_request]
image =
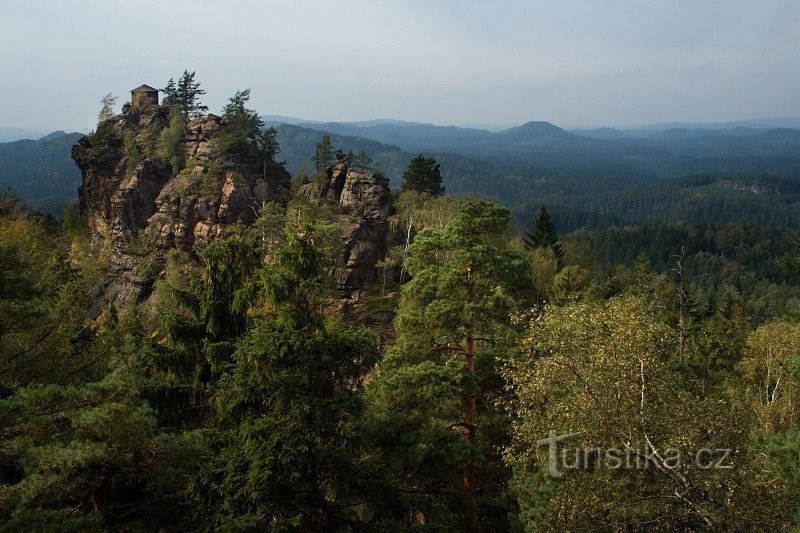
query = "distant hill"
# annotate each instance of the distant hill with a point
(41, 172)
(595, 179)
(16, 134)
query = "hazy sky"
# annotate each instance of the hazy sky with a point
(446, 62)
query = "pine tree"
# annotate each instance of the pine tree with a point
(107, 111)
(324, 155)
(241, 126)
(543, 234)
(436, 388)
(423, 175)
(270, 146)
(186, 95)
(362, 162)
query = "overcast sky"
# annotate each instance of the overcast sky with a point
(447, 62)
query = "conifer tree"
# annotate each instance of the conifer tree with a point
(435, 390)
(323, 155)
(423, 175)
(543, 234)
(186, 95)
(107, 111)
(203, 312)
(270, 146)
(241, 126)
(285, 448)
(362, 162)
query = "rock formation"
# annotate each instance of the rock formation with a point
(130, 193)
(362, 205)
(139, 207)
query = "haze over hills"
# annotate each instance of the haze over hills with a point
(10, 134)
(521, 166)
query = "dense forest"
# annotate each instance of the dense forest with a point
(617, 359)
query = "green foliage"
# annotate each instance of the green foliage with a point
(185, 96)
(608, 370)
(285, 449)
(543, 234)
(202, 313)
(270, 147)
(43, 305)
(423, 175)
(323, 156)
(466, 283)
(168, 146)
(362, 162)
(70, 464)
(241, 127)
(107, 111)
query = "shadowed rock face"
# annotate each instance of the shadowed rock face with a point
(125, 199)
(363, 205)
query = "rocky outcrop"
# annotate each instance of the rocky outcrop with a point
(754, 187)
(140, 207)
(362, 205)
(130, 193)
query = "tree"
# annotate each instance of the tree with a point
(285, 447)
(435, 391)
(168, 146)
(270, 143)
(423, 175)
(323, 155)
(186, 95)
(270, 147)
(203, 313)
(240, 127)
(362, 162)
(543, 234)
(608, 373)
(107, 111)
(70, 464)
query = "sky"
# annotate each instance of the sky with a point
(569, 62)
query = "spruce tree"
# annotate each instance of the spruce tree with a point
(543, 234)
(285, 448)
(423, 175)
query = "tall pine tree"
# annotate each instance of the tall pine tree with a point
(435, 392)
(185, 95)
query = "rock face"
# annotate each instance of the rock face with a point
(130, 193)
(363, 204)
(140, 208)
(757, 188)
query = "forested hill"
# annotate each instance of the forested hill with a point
(744, 174)
(597, 197)
(667, 153)
(41, 171)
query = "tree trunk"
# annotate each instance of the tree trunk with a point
(470, 422)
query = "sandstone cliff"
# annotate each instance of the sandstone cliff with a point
(132, 196)
(145, 193)
(364, 205)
